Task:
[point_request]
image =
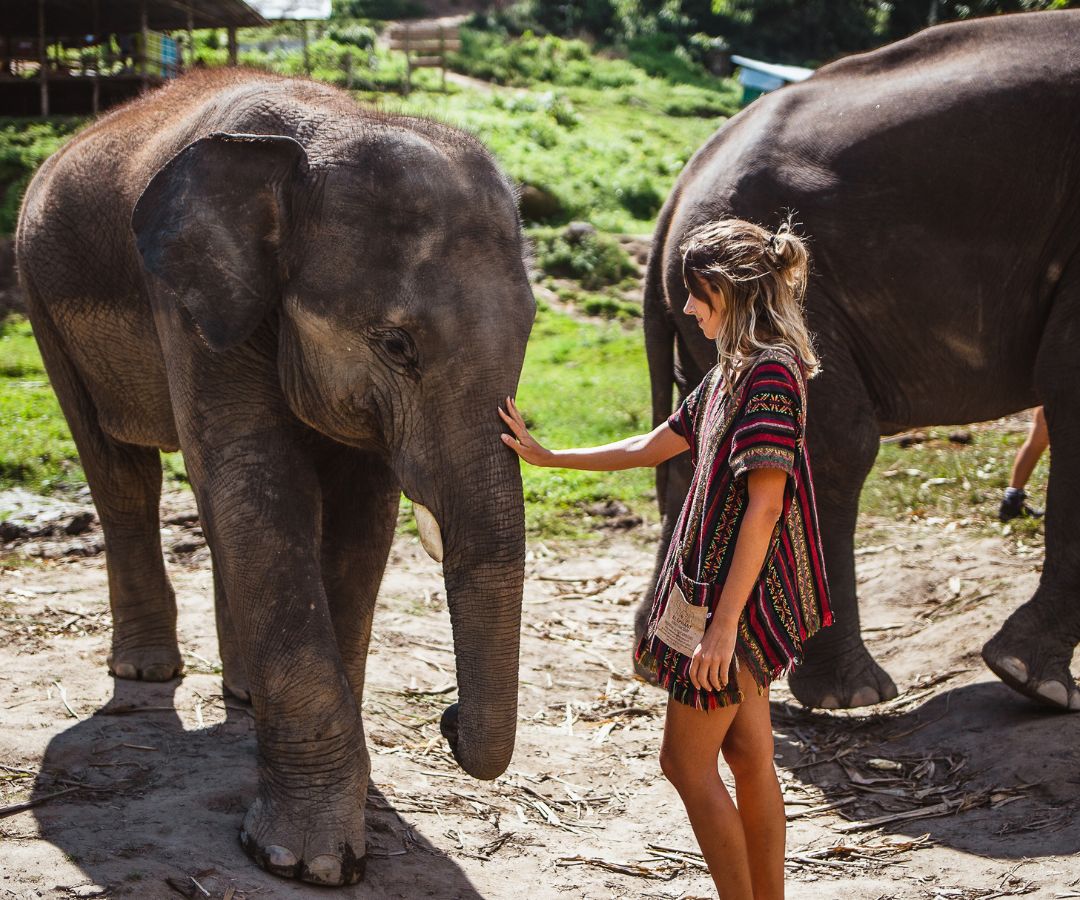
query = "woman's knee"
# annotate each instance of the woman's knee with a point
(748, 756)
(678, 768)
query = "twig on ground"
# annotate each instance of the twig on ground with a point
(36, 801)
(64, 700)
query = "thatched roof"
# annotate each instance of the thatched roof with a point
(71, 18)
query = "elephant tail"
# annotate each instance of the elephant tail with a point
(660, 336)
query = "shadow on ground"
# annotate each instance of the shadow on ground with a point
(1003, 774)
(138, 786)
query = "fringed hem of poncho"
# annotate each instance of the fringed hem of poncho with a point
(671, 670)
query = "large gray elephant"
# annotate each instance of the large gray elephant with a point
(322, 307)
(939, 181)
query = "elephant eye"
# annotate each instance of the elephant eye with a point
(397, 348)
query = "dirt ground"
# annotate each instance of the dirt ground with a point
(959, 788)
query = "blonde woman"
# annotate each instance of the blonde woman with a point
(744, 582)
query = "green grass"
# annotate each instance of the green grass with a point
(582, 384)
(36, 449)
(946, 482)
(608, 157)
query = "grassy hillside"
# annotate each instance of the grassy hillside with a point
(592, 137)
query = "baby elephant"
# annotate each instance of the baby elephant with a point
(320, 305)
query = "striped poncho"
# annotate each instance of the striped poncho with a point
(760, 426)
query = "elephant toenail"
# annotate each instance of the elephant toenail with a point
(325, 869)
(161, 672)
(279, 857)
(125, 670)
(1054, 692)
(865, 696)
(1013, 667)
(829, 702)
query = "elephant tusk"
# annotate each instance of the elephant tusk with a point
(430, 533)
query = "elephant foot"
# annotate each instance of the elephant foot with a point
(842, 682)
(160, 663)
(315, 845)
(1033, 661)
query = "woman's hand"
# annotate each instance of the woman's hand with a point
(711, 661)
(522, 443)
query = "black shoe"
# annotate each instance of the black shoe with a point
(1014, 504)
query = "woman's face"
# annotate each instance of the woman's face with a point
(708, 317)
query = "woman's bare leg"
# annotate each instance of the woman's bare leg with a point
(1038, 439)
(748, 751)
(689, 758)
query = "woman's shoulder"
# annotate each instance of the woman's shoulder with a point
(779, 361)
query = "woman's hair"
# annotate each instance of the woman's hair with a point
(760, 278)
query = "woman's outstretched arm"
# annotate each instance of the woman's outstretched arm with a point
(650, 449)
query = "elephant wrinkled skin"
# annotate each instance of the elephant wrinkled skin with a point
(938, 181)
(321, 306)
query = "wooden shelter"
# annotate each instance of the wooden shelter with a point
(72, 57)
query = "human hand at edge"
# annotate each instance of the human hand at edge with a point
(522, 443)
(711, 662)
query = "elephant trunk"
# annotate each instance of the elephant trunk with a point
(483, 566)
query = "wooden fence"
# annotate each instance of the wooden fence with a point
(425, 45)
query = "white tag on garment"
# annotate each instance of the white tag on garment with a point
(682, 625)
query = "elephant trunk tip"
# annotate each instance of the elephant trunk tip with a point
(476, 765)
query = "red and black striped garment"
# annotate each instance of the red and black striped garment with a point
(760, 425)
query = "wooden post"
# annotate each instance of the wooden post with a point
(303, 44)
(95, 99)
(442, 55)
(43, 59)
(190, 37)
(408, 62)
(144, 28)
(233, 55)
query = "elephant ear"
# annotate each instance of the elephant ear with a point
(209, 225)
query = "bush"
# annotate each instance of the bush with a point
(377, 9)
(530, 58)
(639, 196)
(687, 101)
(354, 34)
(25, 145)
(603, 306)
(596, 260)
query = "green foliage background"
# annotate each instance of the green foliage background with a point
(597, 105)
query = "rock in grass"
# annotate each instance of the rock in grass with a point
(538, 205)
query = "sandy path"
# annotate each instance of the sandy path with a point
(158, 794)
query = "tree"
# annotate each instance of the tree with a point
(815, 31)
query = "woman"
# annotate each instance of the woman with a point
(743, 585)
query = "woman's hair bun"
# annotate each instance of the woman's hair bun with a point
(784, 245)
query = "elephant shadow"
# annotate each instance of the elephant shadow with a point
(999, 772)
(145, 807)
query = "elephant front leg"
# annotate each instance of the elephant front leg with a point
(307, 820)
(1033, 649)
(838, 671)
(361, 496)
